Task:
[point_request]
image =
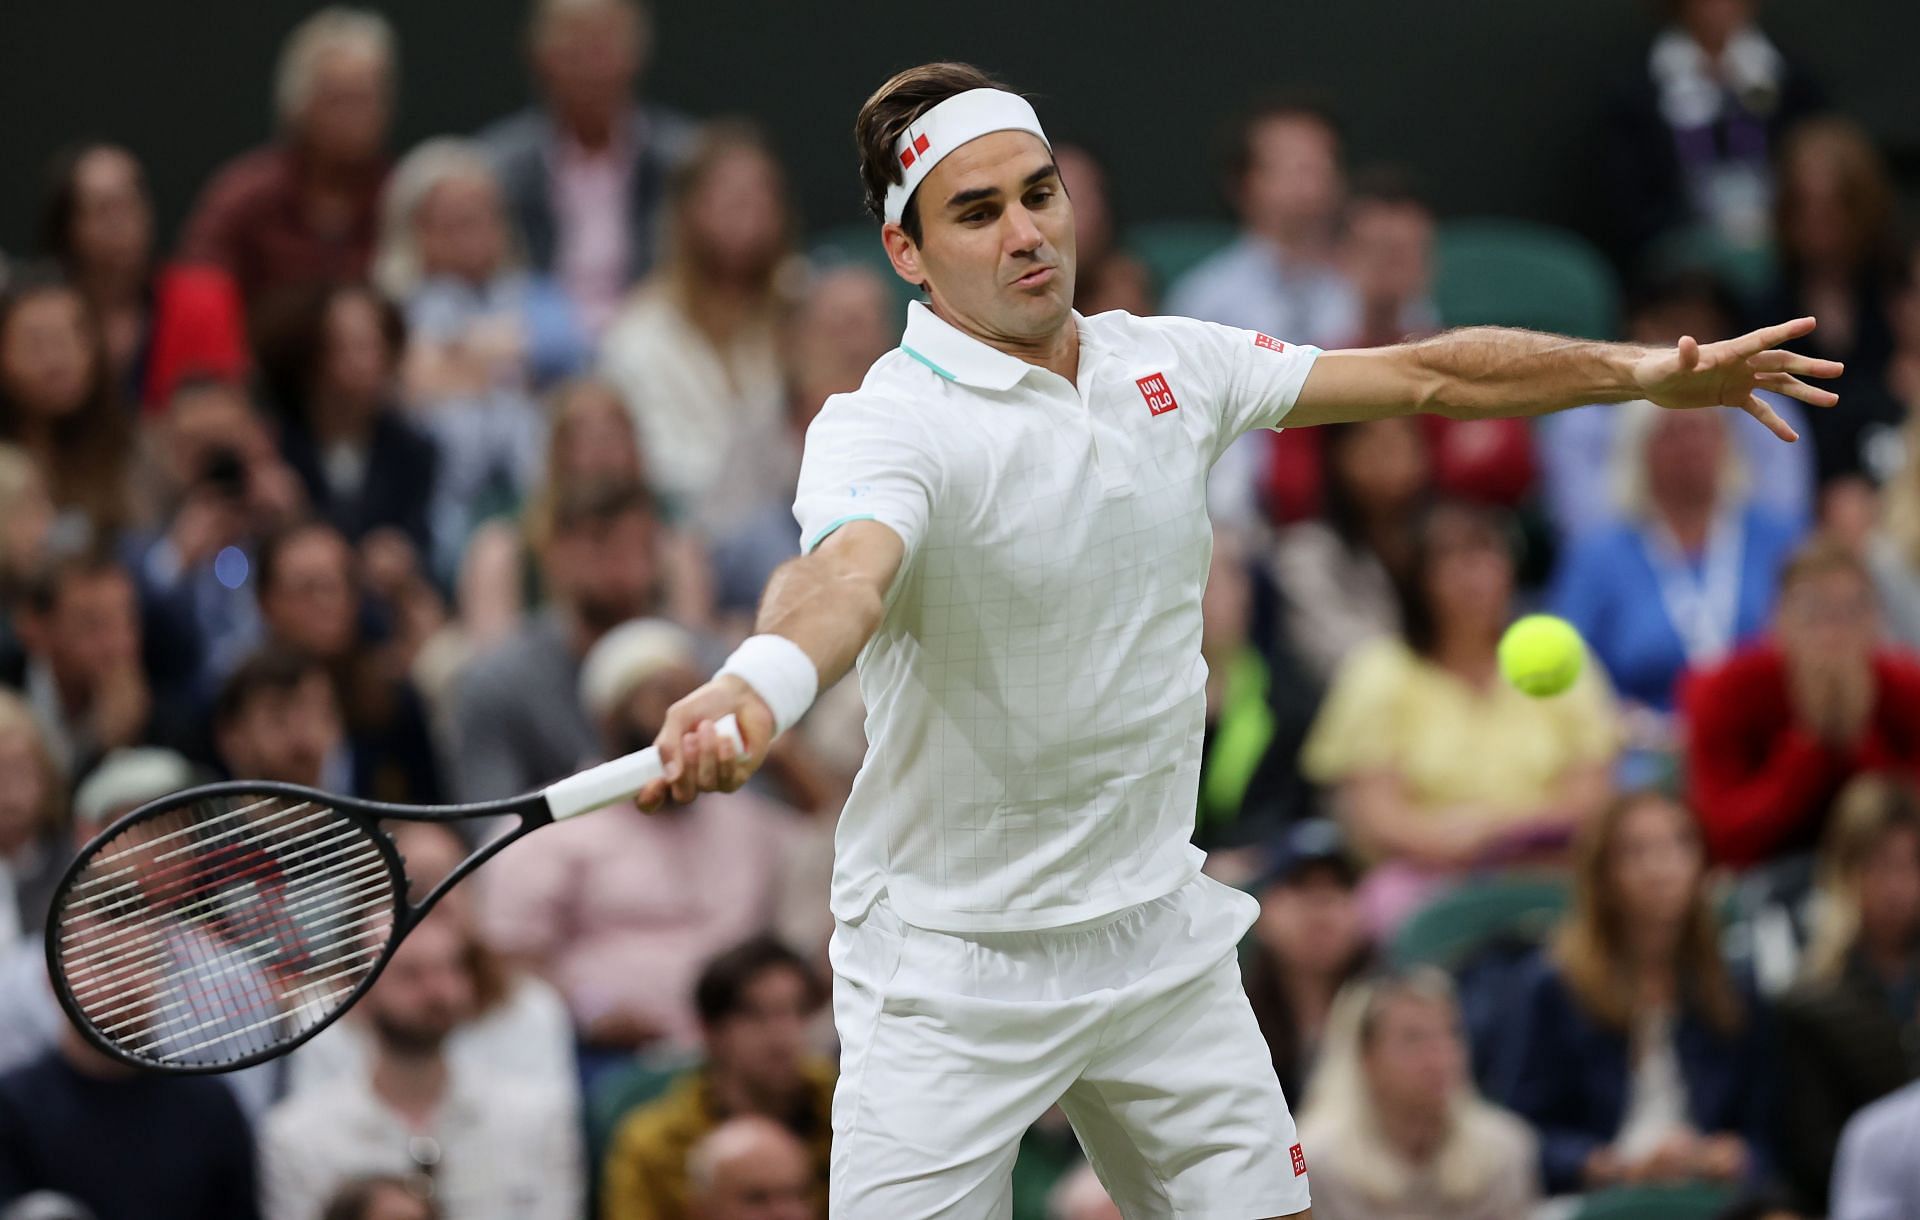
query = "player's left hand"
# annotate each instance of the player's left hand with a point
(1692, 375)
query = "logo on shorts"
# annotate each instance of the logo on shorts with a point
(1158, 394)
(1299, 1161)
(1269, 342)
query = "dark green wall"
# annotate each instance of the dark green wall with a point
(1492, 101)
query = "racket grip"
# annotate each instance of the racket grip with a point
(619, 780)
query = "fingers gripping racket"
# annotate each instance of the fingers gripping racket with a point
(225, 924)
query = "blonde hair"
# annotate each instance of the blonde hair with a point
(16, 718)
(682, 274)
(565, 405)
(1868, 809)
(330, 29)
(1638, 421)
(396, 264)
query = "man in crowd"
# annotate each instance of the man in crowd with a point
(750, 1168)
(754, 1003)
(1876, 1176)
(489, 1146)
(585, 172)
(277, 719)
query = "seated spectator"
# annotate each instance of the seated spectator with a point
(332, 359)
(277, 719)
(1396, 1129)
(1337, 574)
(518, 719)
(751, 1168)
(26, 533)
(1307, 945)
(1776, 730)
(1849, 1031)
(304, 209)
(1876, 1176)
(584, 169)
(33, 830)
(1892, 548)
(58, 403)
(1630, 1049)
(162, 323)
(754, 1001)
(696, 354)
(1441, 766)
(1080, 1196)
(484, 335)
(122, 1141)
(379, 1198)
(486, 1143)
(1687, 575)
(1105, 276)
(621, 910)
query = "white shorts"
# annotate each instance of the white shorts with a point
(952, 1045)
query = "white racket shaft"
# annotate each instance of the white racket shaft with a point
(620, 780)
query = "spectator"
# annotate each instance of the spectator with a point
(1307, 945)
(162, 324)
(1396, 1128)
(277, 719)
(332, 359)
(32, 823)
(1080, 1196)
(1776, 730)
(585, 172)
(754, 1001)
(1689, 572)
(1690, 138)
(1876, 1176)
(696, 354)
(57, 399)
(751, 1168)
(26, 526)
(379, 1198)
(518, 719)
(1106, 276)
(1337, 574)
(1892, 546)
(1630, 1049)
(486, 336)
(621, 910)
(122, 1141)
(305, 209)
(482, 1143)
(1441, 766)
(1850, 1032)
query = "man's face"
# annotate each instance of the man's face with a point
(284, 735)
(112, 221)
(1293, 182)
(94, 630)
(310, 605)
(762, 1044)
(606, 569)
(772, 1180)
(1389, 250)
(997, 244)
(1827, 617)
(346, 116)
(425, 991)
(588, 60)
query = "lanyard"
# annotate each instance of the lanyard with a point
(1703, 607)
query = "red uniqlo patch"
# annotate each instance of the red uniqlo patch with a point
(1299, 1161)
(1269, 342)
(1158, 394)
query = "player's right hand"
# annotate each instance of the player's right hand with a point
(696, 759)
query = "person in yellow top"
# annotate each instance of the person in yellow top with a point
(754, 1003)
(1438, 765)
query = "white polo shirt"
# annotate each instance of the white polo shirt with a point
(1035, 693)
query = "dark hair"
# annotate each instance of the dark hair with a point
(1418, 623)
(1684, 285)
(1339, 505)
(905, 97)
(266, 558)
(272, 670)
(1387, 184)
(290, 336)
(598, 503)
(1822, 557)
(63, 567)
(1237, 141)
(722, 990)
(1757, 1207)
(60, 199)
(354, 1199)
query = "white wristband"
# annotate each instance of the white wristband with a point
(779, 672)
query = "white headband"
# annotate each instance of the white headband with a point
(943, 128)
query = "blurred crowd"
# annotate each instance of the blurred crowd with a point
(436, 474)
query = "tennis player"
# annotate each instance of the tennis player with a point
(1005, 526)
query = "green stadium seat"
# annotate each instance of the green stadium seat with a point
(1448, 930)
(1171, 248)
(1516, 273)
(1694, 1202)
(860, 244)
(623, 1090)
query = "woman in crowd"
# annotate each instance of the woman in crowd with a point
(1396, 1130)
(696, 354)
(1631, 1050)
(1105, 276)
(26, 530)
(1687, 573)
(161, 323)
(1893, 542)
(484, 336)
(1338, 572)
(33, 848)
(57, 399)
(1441, 766)
(1850, 1032)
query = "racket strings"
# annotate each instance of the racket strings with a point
(224, 929)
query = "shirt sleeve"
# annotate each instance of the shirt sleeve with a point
(1258, 376)
(865, 460)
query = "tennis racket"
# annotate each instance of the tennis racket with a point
(226, 924)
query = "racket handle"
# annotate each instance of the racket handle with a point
(619, 780)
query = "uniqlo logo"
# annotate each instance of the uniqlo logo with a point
(1269, 342)
(906, 154)
(1299, 1161)
(1158, 394)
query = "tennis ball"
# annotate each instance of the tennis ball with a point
(1541, 655)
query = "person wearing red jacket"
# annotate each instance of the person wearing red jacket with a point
(1777, 729)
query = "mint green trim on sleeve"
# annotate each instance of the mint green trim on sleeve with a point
(834, 525)
(930, 364)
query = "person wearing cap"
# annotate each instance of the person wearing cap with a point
(1006, 525)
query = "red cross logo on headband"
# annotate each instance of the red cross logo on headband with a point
(906, 154)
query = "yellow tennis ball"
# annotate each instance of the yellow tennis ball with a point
(1542, 655)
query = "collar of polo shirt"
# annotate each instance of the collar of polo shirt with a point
(959, 357)
(945, 127)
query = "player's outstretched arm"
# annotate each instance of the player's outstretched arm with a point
(827, 605)
(1487, 372)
